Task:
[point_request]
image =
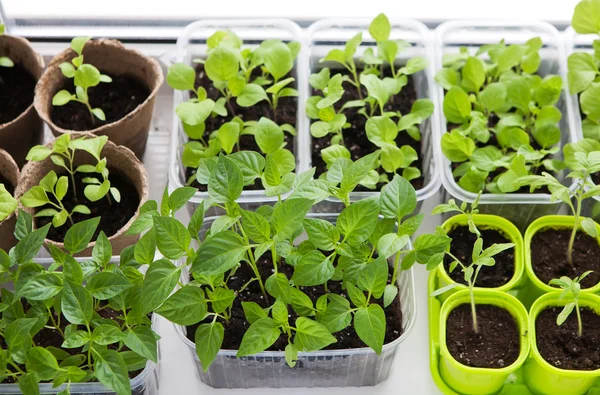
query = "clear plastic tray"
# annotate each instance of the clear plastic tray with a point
(520, 208)
(192, 44)
(327, 34)
(326, 368)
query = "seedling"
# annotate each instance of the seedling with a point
(5, 61)
(480, 258)
(62, 154)
(582, 162)
(84, 76)
(571, 288)
(95, 310)
(503, 97)
(8, 204)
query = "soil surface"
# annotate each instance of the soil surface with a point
(462, 248)
(355, 137)
(549, 256)
(237, 325)
(8, 185)
(285, 113)
(113, 215)
(117, 99)
(497, 345)
(16, 92)
(561, 346)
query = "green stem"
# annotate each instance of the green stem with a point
(576, 225)
(352, 69)
(580, 328)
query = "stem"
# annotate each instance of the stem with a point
(580, 328)
(352, 69)
(578, 197)
(14, 365)
(54, 322)
(473, 312)
(274, 256)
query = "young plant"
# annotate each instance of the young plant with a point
(5, 60)
(505, 98)
(582, 163)
(480, 258)
(84, 76)
(62, 153)
(571, 288)
(97, 310)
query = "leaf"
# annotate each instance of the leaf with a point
(253, 312)
(473, 74)
(357, 221)
(375, 88)
(493, 96)
(457, 107)
(287, 217)
(172, 238)
(145, 249)
(321, 233)
(374, 276)
(208, 339)
(291, 355)
(110, 369)
(106, 285)
(565, 313)
(35, 197)
(269, 136)
(590, 101)
(314, 268)
(195, 113)
(180, 197)
(369, 323)
(381, 130)
(226, 181)
(390, 244)
(181, 77)
(222, 64)
(250, 95)
(41, 287)
(142, 340)
(278, 60)
(259, 336)
(380, 28)
(42, 362)
(389, 295)
(256, 226)
(278, 286)
(311, 336)
(398, 199)
(586, 18)
(102, 251)
(187, 306)
(18, 337)
(28, 384)
(221, 299)
(159, 282)
(219, 253)
(447, 78)
(106, 334)
(79, 235)
(76, 303)
(456, 147)
(590, 227)
(338, 314)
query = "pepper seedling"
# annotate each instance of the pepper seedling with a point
(570, 287)
(84, 76)
(5, 61)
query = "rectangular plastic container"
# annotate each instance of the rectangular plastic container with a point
(192, 44)
(519, 208)
(326, 368)
(327, 34)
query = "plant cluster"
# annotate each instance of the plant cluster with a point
(480, 257)
(52, 189)
(98, 308)
(571, 287)
(328, 109)
(5, 61)
(84, 76)
(502, 115)
(245, 75)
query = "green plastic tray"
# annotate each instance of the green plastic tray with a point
(514, 384)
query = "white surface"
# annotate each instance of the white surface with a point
(549, 10)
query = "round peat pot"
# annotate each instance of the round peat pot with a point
(481, 381)
(122, 163)
(110, 57)
(543, 378)
(18, 135)
(504, 227)
(9, 171)
(537, 287)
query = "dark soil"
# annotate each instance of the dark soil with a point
(285, 113)
(117, 99)
(596, 178)
(237, 325)
(497, 345)
(549, 256)
(8, 185)
(462, 248)
(113, 215)
(16, 92)
(355, 137)
(561, 346)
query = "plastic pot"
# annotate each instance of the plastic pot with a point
(121, 159)
(10, 172)
(328, 34)
(508, 230)
(536, 287)
(480, 381)
(27, 130)
(519, 208)
(109, 56)
(543, 378)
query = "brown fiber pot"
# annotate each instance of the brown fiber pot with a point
(120, 159)
(10, 172)
(109, 56)
(27, 130)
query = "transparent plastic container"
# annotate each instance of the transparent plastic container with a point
(519, 208)
(192, 44)
(327, 34)
(326, 368)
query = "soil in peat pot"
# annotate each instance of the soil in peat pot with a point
(16, 92)
(7, 184)
(549, 256)
(462, 248)
(355, 137)
(497, 345)
(285, 113)
(561, 346)
(117, 99)
(238, 325)
(113, 215)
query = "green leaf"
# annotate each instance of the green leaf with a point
(397, 199)
(142, 340)
(369, 323)
(35, 197)
(512, 137)
(221, 299)
(447, 78)
(380, 28)
(187, 306)
(456, 147)
(106, 285)
(77, 44)
(87, 76)
(28, 384)
(321, 233)
(269, 136)
(260, 336)
(586, 18)
(373, 277)
(278, 286)
(457, 107)
(42, 286)
(256, 226)
(208, 339)
(311, 336)
(253, 312)
(18, 337)
(29, 246)
(287, 217)
(181, 77)
(518, 94)
(278, 60)
(219, 253)
(42, 362)
(565, 313)
(79, 235)
(102, 251)
(493, 96)
(106, 334)
(110, 369)
(590, 101)
(376, 88)
(389, 294)
(222, 64)
(160, 280)
(314, 268)
(145, 249)
(381, 130)
(250, 95)
(291, 355)
(226, 181)
(390, 244)
(195, 113)
(590, 227)
(76, 303)
(473, 74)
(172, 238)
(180, 197)
(357, 221)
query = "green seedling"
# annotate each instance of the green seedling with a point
(84, 76)
(5, 61)
(571, 288)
